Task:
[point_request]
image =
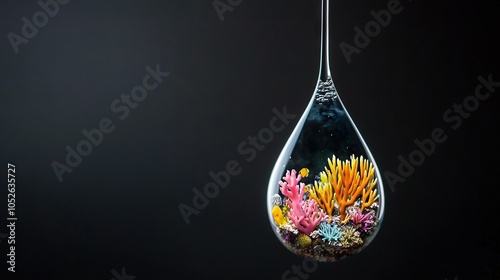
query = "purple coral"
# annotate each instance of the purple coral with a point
(290, 237)
(304, 214)
(363, 221)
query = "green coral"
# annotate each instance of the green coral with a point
(350, 237)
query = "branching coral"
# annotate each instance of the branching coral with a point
(322, 193)
(292, 189)
(304, 214)
(330, 232)
(349, 183)
(332, 216)
(368, 197)
(308, 218)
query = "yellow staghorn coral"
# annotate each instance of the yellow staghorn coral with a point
(368, 198)
(323, 194)
(348, 183)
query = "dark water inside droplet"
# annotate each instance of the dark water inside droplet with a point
(327, 131)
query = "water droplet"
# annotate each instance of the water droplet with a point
(337, 209)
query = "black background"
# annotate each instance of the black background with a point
(119, 207)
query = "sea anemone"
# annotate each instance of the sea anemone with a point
(364, 222)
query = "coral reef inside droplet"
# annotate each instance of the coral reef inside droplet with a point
(331, 218)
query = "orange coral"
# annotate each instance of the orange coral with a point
(348, 183)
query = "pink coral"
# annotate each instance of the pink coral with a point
(304, 214)
(363, 221)
(292, 190)
(309, 216)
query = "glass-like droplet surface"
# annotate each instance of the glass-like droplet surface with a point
(325, 194)
(325, 198)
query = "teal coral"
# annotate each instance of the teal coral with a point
(332, 214)
(330, 232)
